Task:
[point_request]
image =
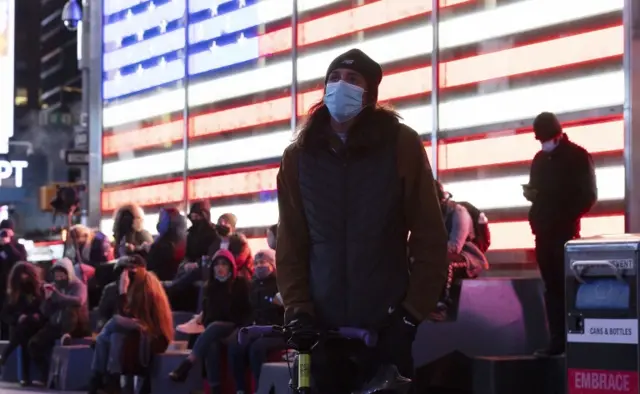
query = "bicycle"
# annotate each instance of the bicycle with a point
(304, 341)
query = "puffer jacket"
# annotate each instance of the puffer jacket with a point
(346, 211)
(264, 310)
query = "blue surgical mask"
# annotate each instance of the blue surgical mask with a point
(262, 272)
(223, 278)
(550, 145)
(343, 100)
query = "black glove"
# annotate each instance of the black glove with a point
(401, 314)
(301, 320)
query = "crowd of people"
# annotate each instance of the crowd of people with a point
(367, 239)
(135, 282)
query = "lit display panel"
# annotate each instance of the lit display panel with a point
(132, 125)
(7, 60)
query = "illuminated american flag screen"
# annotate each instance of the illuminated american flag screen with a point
(501, 62)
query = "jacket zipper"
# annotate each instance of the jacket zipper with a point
(345, 169)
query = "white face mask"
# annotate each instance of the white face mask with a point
(343, 100)
(550, 145)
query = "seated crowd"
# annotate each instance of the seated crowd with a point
(135, 284)
(207, 269)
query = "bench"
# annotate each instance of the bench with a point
(12, 372)
(490, 322)
(518, 374)
(163, 364)
(274, 378)
(70, 368)
(181, 318)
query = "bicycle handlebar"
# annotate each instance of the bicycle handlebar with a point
(246, 334)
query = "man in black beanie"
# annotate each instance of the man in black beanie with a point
(562, 189)
(351, 189)
(11, 252)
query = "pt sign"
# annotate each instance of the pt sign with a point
(13, 168)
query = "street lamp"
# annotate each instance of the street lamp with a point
(71, 15)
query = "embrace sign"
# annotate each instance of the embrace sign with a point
(7, 48)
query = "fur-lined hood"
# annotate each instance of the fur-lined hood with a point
(134, 211)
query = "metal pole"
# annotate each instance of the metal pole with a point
(294, 67)
(185, 111)
(435, 85)
(81, 131)
(92, 57)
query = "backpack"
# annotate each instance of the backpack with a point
(480, 226)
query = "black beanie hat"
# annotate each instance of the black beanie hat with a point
(358, 61)
(202, 208)
(546, 127)
(6, 224)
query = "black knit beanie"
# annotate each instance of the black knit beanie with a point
(358, 61)
(546, 126)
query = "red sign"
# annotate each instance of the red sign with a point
(589, 381)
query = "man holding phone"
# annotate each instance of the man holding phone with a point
(562, 189)
(11, 252)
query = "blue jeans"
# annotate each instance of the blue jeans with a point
(107, 355)
(208, 348)
(258, 352)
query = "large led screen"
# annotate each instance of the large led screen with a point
(499, 64)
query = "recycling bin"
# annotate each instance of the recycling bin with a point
(602, 314)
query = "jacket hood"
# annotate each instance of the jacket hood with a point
(202, 208)
(266, 255)
(171, 222)
(128, 210)
(227, 255)
(66, 264)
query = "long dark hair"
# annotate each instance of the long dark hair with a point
(15, 281)
(370, 128)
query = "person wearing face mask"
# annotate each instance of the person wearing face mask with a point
(128, 231)
(234, 242)
(202, 234)
(355, 193)
(168, 250)
(22, 313)
(11, 252)
(267, 310)
(142, 307)
(225, 307)
(561, 189)
(201, 238)
(89, 249)
(66, 311)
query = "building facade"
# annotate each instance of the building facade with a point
(201, 107)
(60, 79)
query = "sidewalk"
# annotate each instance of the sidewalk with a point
(14, 388)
